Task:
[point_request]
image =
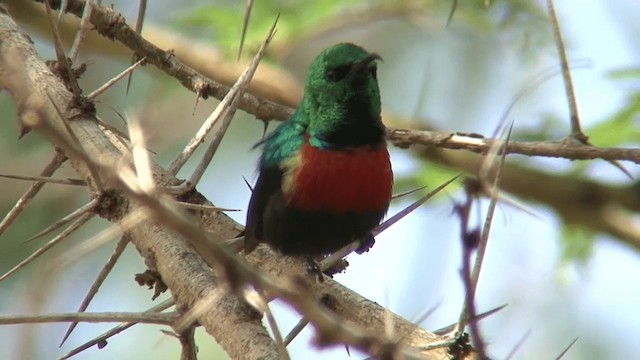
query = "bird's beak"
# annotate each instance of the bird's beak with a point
(364, 63)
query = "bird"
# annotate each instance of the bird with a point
(324, 176)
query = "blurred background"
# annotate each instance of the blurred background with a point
(561, 281)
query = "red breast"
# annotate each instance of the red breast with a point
(356, 179)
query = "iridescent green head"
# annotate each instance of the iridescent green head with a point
(341, 104)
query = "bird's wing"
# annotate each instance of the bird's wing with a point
(266, 187)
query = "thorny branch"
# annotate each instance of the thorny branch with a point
(112, 24)
(189, 279)
(565, 196)
(399, 137)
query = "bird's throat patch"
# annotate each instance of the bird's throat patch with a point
(346, 180)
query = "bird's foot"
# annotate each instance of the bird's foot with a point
(338, 267)
(365, 244)
(312, 267)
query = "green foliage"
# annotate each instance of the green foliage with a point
(225, 19)
(430, 175)
(577, 243)
(303, 20)
(622, 127)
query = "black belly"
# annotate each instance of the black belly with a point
(296, 232)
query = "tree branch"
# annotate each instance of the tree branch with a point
(578, 201)
(235, 326)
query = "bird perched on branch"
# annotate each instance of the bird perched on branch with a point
(325, 178)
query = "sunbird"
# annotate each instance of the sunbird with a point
(325, 178)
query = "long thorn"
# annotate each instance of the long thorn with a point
(449, 328)
(72, 227)
(409, 192)
(85, 26)
(295, 331)
(518, 345)
(147, 318)
(114, 80)
(236, 92)
(484, 239)
(142, 10)
(576, 130)
(60, 55)
(416, 204)
(106, 269)
(566, 350)
(31, 192)
(245, 26)
(81, 211)
(45, 179)
(332, 259)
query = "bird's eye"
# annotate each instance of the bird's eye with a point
(337, 73)
(374, 72)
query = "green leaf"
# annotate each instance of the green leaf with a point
(577, 244)
(621, 128)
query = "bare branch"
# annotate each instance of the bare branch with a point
(479, 144)
(190, 278)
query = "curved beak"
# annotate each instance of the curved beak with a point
(364, 63)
